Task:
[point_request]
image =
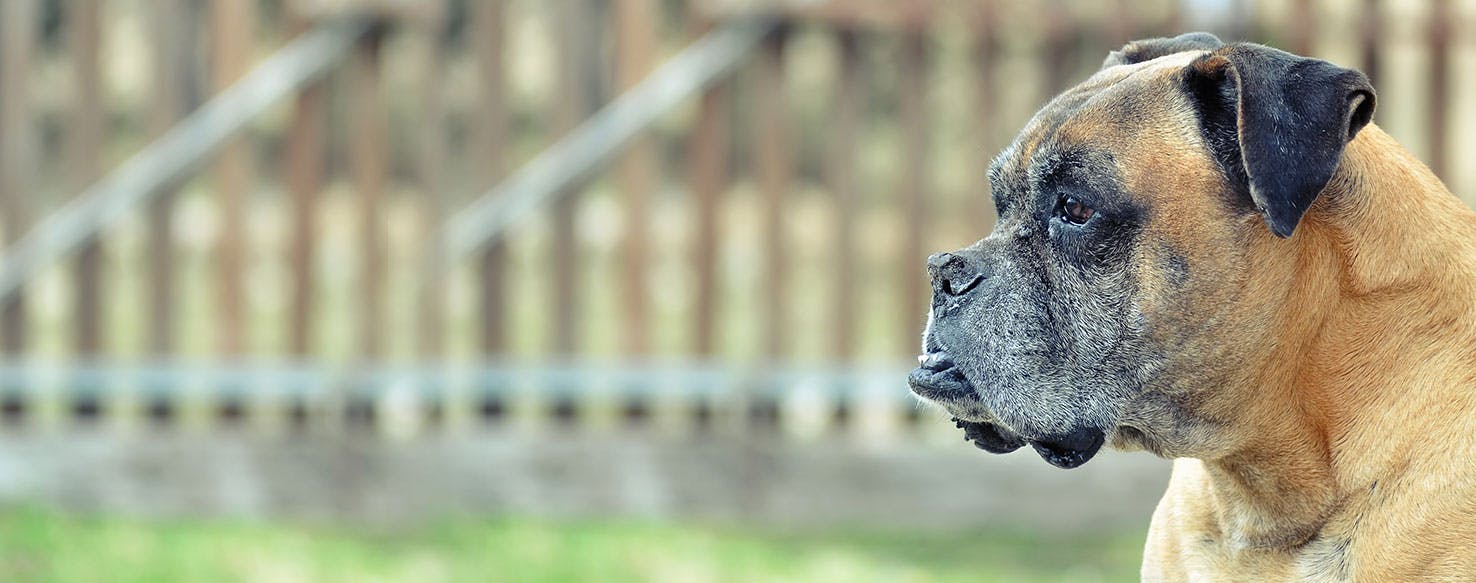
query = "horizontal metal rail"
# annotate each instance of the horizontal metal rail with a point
(313, 380)
(593, 143)
(180, 151)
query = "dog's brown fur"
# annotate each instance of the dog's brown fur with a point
(1346, 450)
(1313, 373)
(1344, 447)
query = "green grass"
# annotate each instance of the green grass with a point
(46, 546)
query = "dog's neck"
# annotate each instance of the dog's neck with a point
(1365, 256)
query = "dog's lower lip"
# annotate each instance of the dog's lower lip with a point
(988, 436)
(1070, 451)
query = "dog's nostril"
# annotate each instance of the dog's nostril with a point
(973, 283)
(952, 275)
(956, 284)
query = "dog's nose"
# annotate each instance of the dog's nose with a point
(952, 275)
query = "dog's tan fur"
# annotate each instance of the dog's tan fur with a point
(1346, 448)
(1317, 389)
(1340, 443)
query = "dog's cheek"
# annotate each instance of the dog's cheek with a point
(1165, 277)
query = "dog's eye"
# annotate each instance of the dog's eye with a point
(1074, 212)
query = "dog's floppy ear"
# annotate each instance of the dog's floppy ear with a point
(1153, 48)
(1277, 123)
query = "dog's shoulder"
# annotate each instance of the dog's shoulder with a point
(1413, 525)
(1416, 524)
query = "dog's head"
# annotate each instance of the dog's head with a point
(1132, 212)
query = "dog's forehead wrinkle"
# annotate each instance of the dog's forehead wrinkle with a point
(1097, 117)
(1038, 135)
(1047, 160)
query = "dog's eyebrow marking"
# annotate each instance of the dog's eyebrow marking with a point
(1054, 162)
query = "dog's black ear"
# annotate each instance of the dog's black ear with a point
(1277, 123)
(1153, 48)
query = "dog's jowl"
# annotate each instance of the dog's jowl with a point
(1208, 251)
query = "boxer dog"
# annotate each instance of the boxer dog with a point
(1208, 252)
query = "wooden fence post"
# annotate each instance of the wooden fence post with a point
(709, 177)
(304, 165)
(174, 41)
(635, 42)
(430, 169)
(85, 146)
(985, 59)
(636, 48)
(368, 162)
(490, 144)
(232, 31)
(305, 157)
(580, 93)
(18, 24)
(84, 143)
(841, 176)
(492, 154)
(773, 156)
(915, 184)
(708, 164)
(580, 29)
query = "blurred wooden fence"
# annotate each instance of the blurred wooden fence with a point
(767, 234)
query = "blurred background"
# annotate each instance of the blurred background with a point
(459, 290)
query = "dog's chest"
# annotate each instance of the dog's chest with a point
(1325, 558)
(1205, 558)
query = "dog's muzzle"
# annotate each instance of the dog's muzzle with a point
(937, 378)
